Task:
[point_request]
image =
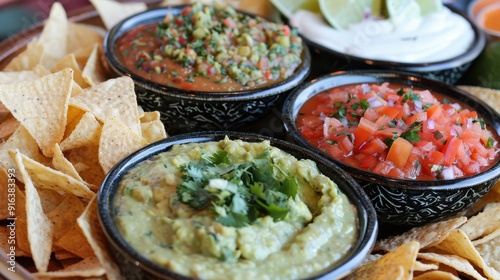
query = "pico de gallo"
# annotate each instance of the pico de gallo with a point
(398, 131)
(211, 48)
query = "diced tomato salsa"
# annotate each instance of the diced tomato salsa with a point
(398, 131)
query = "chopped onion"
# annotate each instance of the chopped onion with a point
(344, 122)
(366, 88)
(390, 102)
(431, 124)
(456, 106)
(447, 173)
(418, 105)
(374, 102)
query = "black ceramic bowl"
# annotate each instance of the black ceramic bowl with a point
(137, 266)
(402, 201)
(448, 71)
(187, 110)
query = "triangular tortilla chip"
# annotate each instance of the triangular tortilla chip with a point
(112, 12)
(458, 263)
(39, 226)
(86, 132)
(89, 223)
(17, 76)
(153, 131)
(63, 217)
(48, 178)
(427, 235)
(81, 36)
(41, 106)
(75, 242)
(89, 267)
(69, 61)
(115, 97)
(64, 165)
(86, 162)
(117, 141)
(93, 72)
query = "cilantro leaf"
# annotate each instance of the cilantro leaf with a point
(412, 134)
(233, 219)
(275, 211)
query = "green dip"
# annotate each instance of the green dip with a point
(300, 225)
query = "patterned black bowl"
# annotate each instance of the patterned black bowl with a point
(403, 201)
(136, 266)
(448, 71)
(187, 110)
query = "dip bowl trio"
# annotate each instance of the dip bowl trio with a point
(209, 200)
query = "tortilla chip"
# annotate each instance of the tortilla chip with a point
(89, 223)
(50, 199)
(93, 72)
(86, 132)
(75, 242)
(153, 131)
(89, 267)
(7, 234)
(427, 235)
(69, 61)
(112, 12)
(482, 224)
(459, 244)
(488, 95)
(83, 54)
(436, 275)
(48, 178)
(82, 36)
(150, 116)
(487, 238)
(62, 164)
(403, 257)
(4, 193)
(41, 106)
(64, 255)
(28, 58)
(17, 76)
(8, 126)
(23, 141)
(86, 162)
(74, 116)
(117, 141)
(115, 97)
(63, 217)
(490, 251)
(458, 263)
(493, 196)
(421, 266)
(38, 225)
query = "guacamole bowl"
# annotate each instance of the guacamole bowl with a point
(271, 255)
(201, 79)
(412, 45)
(410, 186)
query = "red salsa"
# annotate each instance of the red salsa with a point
(211, 48)
(398, 131)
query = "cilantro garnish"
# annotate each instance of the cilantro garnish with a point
(237, 193)
(412, 134)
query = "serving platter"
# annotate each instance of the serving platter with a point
(270, 125)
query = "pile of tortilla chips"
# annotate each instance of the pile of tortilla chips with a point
(63, 126)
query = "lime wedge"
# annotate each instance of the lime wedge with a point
(402, 10)
(289, 7)
(430, 6)
(341, 13)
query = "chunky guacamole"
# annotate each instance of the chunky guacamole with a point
(238, 209)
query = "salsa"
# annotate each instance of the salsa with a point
(211, 48)
(398, 131)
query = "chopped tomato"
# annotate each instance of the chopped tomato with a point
(450, 150)
(399, 151)
(363, 132)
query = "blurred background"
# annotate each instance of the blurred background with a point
(18, 15)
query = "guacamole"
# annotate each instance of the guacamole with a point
(236, 210)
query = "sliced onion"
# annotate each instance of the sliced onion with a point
(390, 102)
(447, 173)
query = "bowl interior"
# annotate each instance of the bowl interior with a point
(356, 62)
(368, 225)
(303, 93)
(156, 15)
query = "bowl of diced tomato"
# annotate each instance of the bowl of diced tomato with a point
(422, 150)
